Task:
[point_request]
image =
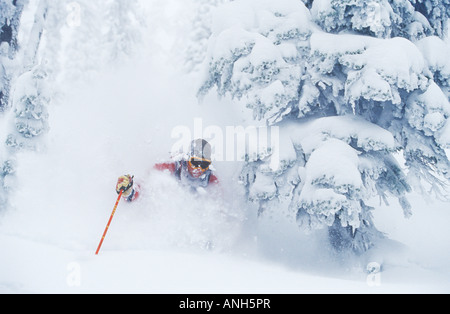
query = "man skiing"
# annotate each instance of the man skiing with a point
(192, 170)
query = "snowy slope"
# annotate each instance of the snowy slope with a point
(171, 241)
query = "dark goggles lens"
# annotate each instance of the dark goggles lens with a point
(204, 164)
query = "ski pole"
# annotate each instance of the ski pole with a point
(109, 222)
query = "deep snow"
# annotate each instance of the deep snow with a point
(170, 241)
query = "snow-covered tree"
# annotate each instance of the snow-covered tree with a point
(200, 32)
(26, 117)
(10, 13)
(10, 16)
(123, 19)
(103, 32)
(379, 18)
(437, 13)
(31, 70)
(353, 85)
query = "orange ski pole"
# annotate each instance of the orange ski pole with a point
(109, 222)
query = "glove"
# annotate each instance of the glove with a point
(125, 183)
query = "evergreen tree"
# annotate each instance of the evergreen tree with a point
(352, 85)
(106, 31)
(26, 117)
(436, 12)
(123, 19)
(101, 31)
(10, 13)
(195, 49)
(84, 53)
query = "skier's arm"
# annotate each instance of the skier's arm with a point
(166, 166)
(213, 180)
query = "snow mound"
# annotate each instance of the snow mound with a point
(168, 214)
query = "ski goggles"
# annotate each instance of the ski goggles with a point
(196, 162)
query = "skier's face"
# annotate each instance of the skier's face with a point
(198, 166)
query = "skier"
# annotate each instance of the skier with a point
(192, 170)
